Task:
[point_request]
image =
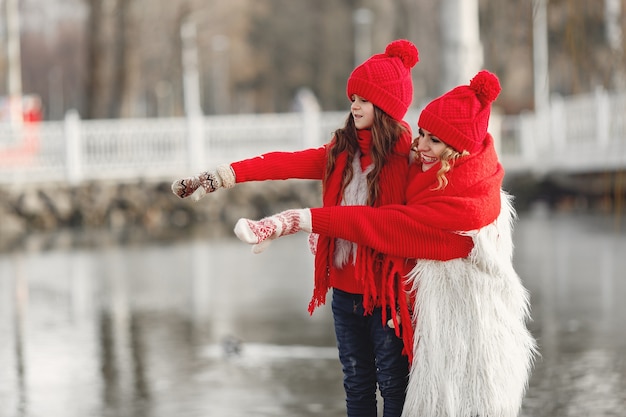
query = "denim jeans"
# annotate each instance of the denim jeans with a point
(371, 356)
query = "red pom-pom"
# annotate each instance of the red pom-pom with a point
(405, 50)
(486, 85)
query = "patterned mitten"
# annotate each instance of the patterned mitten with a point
(205, 182)
(260, 232)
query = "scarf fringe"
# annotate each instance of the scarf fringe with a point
(322, 279)
(387, 290)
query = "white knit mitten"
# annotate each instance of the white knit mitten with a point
(261, 232)
(205, 182)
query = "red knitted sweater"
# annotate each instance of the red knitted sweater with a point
(425, 226)
(359, 278)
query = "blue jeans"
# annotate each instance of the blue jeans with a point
(371, 355)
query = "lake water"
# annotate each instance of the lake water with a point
(202, 327)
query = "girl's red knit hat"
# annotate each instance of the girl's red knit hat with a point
(460, 117)
(385, 79)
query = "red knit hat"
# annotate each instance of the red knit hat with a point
(460, 117)
(385, 79)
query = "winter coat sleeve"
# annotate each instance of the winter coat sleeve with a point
(305, 164)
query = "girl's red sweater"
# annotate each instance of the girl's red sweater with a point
(311, 164)
(308, 164)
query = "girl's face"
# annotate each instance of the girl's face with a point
(430, 149)
(362, 112)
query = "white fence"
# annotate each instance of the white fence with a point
(79, 150)
(581, 133)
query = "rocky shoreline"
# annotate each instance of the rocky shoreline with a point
(140, 210)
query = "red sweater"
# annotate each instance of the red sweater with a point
(311, 164)
(425, 226)
(307, 164)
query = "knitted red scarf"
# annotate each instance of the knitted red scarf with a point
(381, 276)
(470, 201)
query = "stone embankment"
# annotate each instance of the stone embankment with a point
(141, 208)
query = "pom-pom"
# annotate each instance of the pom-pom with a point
(486, 85)
(405, 50)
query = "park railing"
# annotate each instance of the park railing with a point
(580, 133)
(76, 150)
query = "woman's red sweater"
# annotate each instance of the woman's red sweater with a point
(426, 227)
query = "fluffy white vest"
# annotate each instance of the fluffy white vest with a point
(472, 352)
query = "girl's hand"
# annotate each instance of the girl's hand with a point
(205, 182)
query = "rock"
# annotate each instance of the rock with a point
(144, 208)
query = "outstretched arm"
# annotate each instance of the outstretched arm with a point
(305, 164)
(396, 230)
(392, 230)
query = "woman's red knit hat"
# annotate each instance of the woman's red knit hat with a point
(385, 79)
(460, 117)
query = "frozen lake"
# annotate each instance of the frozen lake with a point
(205, 328)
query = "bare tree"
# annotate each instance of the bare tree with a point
(126, 59)
(120, 71)
(95, 80)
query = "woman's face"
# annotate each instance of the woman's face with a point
(362, 112)
(430, 149)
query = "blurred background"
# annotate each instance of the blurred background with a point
(118, 299)
(122, 58)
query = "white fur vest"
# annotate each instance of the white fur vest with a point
(472, 352)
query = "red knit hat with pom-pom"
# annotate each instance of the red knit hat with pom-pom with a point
(385, 79)
(460, 117)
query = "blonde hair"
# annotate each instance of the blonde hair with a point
(448, 156)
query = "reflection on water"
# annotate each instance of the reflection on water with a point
(204, 328)
(573, 266)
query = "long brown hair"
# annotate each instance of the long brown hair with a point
(386, 132)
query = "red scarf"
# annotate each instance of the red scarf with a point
(470, 201)
(381, 275)
(365, 143)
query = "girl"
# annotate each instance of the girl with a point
(366, 163)
(472, 350)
